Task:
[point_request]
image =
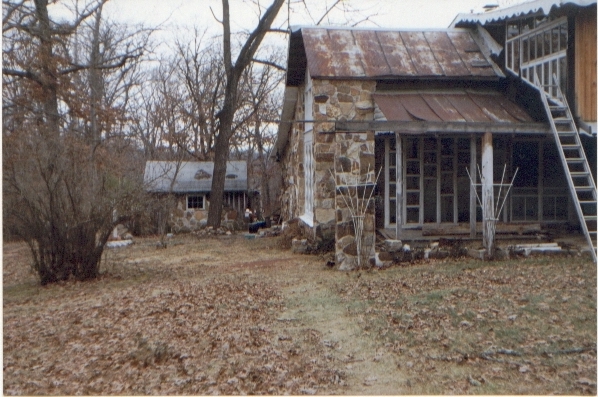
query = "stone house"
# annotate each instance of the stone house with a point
(190, 183)
(429, 111)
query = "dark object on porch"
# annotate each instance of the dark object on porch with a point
(255, 226)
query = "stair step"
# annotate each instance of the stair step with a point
(575, 160)
(590, 218)
(588, 202)
(577, 174)
(583, 189)
(569, 147)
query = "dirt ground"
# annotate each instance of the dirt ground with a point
(234, 316)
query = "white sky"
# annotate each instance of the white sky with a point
(175, 17)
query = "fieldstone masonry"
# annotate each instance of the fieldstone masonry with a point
(348, 158)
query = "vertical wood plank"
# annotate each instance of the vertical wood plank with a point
(399, 184)
(472, 189)
(386, 182)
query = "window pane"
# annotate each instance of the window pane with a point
(430, 157)
(447, 148)
(446, 210)
(563, 39)
(561, 204)
(518, 208)
(412, 148)
(412, 198)
(447, 164)
(430, 170)
(548, 211)
(525, 55)
(412, 215)
(531, 208)
(195, 202)
(446, 184)
(555, 39)
(392, 211)
(412, 183)
(430, 200)
(430, 144)
(413, 167)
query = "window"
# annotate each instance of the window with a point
(195, 202)
(539, 50)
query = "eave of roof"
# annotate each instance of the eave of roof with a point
(534, 7)
(192, 176)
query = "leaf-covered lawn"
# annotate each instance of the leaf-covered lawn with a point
(236, 316)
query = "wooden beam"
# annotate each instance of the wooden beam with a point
(488, 194)
(399, 172)
(434, 229)
(442, 127)
(473, 172)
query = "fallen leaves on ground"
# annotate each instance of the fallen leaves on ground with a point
(530, 321)
(162, 336)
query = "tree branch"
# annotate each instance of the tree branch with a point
(26, 74)
(121, 63)
(269, 63)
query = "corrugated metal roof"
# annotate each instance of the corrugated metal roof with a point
(192, 176)
(529, 7)
(367, 53)
(455, 106)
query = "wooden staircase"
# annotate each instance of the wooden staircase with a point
(577, 170)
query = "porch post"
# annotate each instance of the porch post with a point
(488, 193)
(473, 172)
(399, 172)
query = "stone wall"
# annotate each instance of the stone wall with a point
(334, 100)
(184, 220)
(187, 220)
(355, 179)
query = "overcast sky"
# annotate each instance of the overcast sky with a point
(175, 18)
(390, 13)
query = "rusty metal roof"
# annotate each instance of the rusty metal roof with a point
(368, 53)
(455, 106)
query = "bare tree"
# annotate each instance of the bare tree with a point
(233, 72)
(63, 189)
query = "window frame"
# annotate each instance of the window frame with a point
(191, 196)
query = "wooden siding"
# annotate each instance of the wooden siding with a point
(585, 64)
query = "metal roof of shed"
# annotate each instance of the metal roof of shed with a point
(371, 54)
(542, 7)
(454, 106)
(192, 176)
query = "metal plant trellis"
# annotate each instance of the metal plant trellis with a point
(499, 205)
(358, 209)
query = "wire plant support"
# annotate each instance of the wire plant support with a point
(499, 202)
(358, 208)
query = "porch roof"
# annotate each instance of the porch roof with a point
(458, 106)
(456, 111)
